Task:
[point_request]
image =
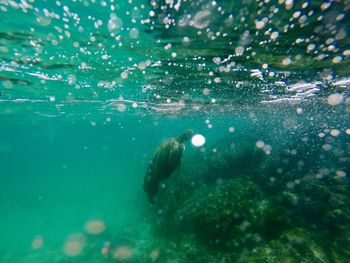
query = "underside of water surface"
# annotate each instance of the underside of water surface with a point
(174, 131)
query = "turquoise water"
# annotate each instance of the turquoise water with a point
(90, 89)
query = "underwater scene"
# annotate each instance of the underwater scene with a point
(174, 131)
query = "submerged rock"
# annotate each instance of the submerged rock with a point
(295, 245)
(228, 159)
(232, 214)
(238, 204)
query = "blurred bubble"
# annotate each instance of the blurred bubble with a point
(334, 99)
(114, 23)
(206, 91)
(74, 245)
(37, 242)
(122, 253)
(327, 147)
(335, 132)
(142, 65)
(286, 61)
(260, 144)
(259, 24)
(239, 51)
(124, 75)
(134, 33)
(201, 19)
(4, 49)
(274, 35)
(106, 248)
(43, 20)
(337, 59)
(340, 173)
(267, 149)
(154, 255)
(94, 226)
(121, 107)
(7, 84)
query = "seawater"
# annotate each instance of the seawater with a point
(90, 89)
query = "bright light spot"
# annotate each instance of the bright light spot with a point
(347, 131)
(122, 253)
(231, 129)
(52, 98)
(94, 226)
(198, 140)
(335, 99)
(173, 55)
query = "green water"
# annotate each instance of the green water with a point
(90, 89)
